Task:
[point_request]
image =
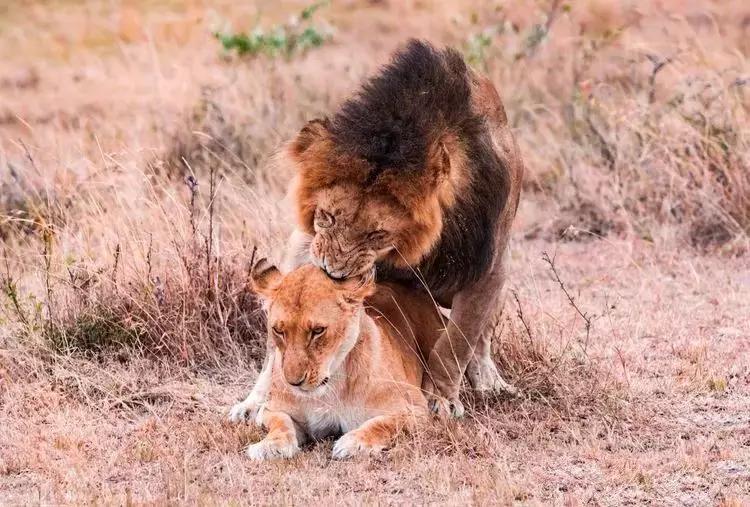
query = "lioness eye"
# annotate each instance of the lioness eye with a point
(277, 331)
(317, 331)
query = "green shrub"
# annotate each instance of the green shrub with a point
(282, 40)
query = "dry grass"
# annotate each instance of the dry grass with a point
(137, 176)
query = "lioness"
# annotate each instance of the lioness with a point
(418, 174)
(341, 366)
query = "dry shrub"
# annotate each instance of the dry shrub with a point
(636, 113)
(25, 204)
(565, 380)
(559, 384)
(212, 136)
(197, 313)
(243, 118)
(167, 287)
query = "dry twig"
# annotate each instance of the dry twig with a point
(588, 319)
(520, 314)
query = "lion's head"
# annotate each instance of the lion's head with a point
(313, 320)
(374, 182)
(359, 214)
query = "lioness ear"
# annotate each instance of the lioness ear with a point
(265, 278)
(313, 131)
(358, 288)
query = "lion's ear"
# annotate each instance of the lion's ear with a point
(312, 132)
(265, 278)
(445, 152)
(446, 167)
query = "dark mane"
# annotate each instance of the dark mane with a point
(397, 114)
(391, 124)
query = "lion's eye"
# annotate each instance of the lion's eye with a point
(317, 331)
(323, 219)
(378, 235)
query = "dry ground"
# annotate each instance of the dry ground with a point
(126, 331)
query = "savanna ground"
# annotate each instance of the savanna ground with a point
(137, 176)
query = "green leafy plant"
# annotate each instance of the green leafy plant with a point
(282, 40)
(476, 49)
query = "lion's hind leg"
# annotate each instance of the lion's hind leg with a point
(482, 372)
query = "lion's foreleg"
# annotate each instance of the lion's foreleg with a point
(297, 251)
(471, 312)
(481, 372)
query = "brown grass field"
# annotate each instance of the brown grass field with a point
(138, 173)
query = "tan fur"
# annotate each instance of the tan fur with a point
(362, 376)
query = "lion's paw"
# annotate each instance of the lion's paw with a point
(271, 449)
(351, 444)
(441, 405)
(486, 379)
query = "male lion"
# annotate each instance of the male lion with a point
(341, 366)
(420, 175)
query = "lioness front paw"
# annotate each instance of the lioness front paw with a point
(244, 411)
(272, 449)
(351, 444)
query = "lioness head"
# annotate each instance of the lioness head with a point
(313, 320)
(359, 213)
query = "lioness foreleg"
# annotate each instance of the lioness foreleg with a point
(373, 436)
(248, 408)
(283, 439)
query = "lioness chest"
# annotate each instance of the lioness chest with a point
(329, 413)
(323, 420)
(379, 377)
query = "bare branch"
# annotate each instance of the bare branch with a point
(520, 314)
(588, 319)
